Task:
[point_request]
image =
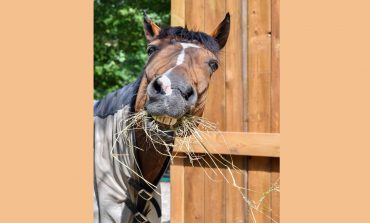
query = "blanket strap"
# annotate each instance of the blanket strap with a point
(144, 195)
(138, 217)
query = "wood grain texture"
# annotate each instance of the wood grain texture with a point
(177, 12)
(177, 190)
(177, 167)
(194, 14)
(235, 211)
(214, 194)
(216, 99)
(214, 183)
(244, 34)
(275, 196)
(234, 78)
(259, 102)
(194, 175)
(239, 143)
(275, 101)
(259, 65)
(275, 66)
(194, 193)
(234, 107)
(259, 182)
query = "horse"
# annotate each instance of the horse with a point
(172, 85)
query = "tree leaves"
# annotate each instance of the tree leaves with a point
(119, 42)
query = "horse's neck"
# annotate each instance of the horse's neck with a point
(152, 162)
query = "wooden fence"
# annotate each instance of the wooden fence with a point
(243, 100)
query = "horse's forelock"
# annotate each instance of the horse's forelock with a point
(185, 35)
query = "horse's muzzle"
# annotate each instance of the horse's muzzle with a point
(170, 95)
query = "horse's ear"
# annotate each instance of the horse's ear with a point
(150, 28)
(221, 33)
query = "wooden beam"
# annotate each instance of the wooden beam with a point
(237, 143)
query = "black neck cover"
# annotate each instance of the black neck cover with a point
(116, 100)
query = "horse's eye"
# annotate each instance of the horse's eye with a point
(213, 64)
(151, 50)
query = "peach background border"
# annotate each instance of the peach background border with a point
(325, 111)
(46, 115)
(46, 81)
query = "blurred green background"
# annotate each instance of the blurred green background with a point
(119, 41)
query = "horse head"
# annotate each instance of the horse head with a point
(178, 70)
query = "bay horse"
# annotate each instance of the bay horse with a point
(173, 84)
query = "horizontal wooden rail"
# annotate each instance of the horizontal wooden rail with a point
(237, 143)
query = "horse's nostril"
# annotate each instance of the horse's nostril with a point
(188, 93)
(157, 87)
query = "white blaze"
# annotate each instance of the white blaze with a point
(164, 80)
(181, 57)
(165, 84)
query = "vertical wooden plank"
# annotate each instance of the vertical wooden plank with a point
(259, 182)
(215, 105)
(275, 101)
(194, 193)
(234, 75)
(177, 12)
(177, 190)
(275, 66)
(275, 195)
(177, 168)
(214, 194)
(234, 106)
(259, 103)
(234, 200)
(194, 176)
(244, 33)
(259, 65)
(194, 14)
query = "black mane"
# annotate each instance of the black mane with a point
(183, 34)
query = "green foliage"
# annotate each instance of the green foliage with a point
(119, 41)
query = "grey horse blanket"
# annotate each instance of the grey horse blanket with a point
(114, 161)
